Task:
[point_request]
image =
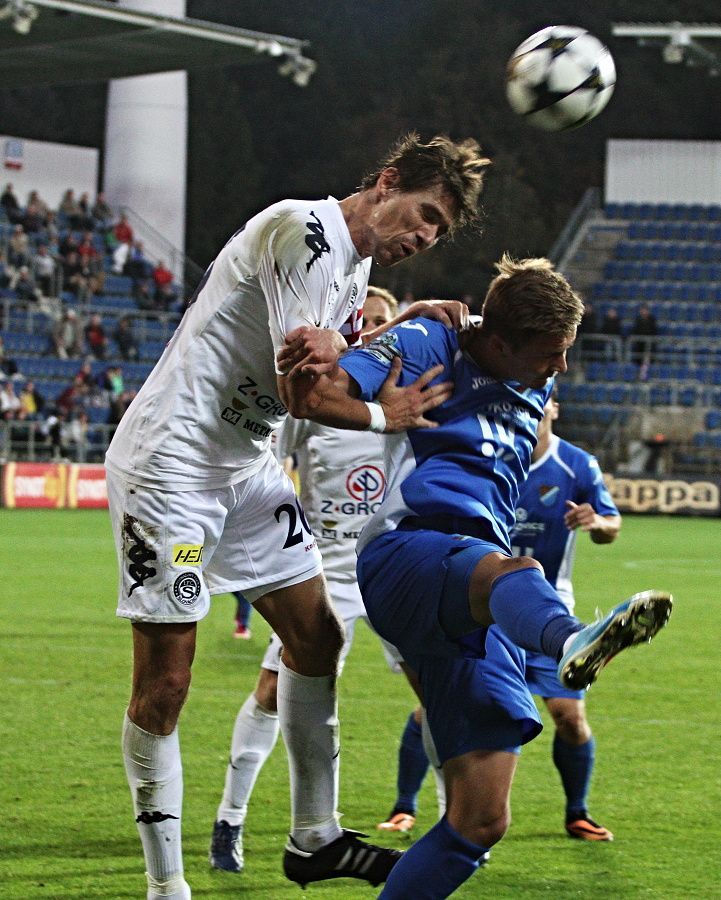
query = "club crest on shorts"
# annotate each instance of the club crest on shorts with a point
(186, 588)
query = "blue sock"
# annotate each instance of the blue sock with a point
(575, 766)
(243, 609)
(523, 604)
(434, 866)
(412, 767)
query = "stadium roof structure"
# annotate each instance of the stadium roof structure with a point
(689, 43)
(50, 42)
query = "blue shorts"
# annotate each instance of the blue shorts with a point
(542, 678)
(474, 689)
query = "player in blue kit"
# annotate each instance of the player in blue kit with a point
(564, 493)
(435, 564)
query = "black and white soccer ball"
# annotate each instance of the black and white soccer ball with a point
(560, 77)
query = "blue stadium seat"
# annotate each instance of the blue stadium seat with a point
(713, 419)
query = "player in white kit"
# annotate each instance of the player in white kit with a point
(341, 484)
(200, 506)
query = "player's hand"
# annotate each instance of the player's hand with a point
(310, 351)
(404, 407)
(581, 516)
(451, 313)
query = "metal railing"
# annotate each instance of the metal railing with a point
(34, 442)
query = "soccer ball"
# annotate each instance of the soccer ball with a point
(559, 78)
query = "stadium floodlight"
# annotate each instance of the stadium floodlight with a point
(679, 42)
(299, 68)
(22, 13)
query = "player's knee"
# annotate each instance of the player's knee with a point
(156, 701)
(485, 827)
(572, 726)
(266, 690)
(509, 564)
(319, 637)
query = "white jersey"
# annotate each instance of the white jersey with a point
(204, 417)
(342, 484)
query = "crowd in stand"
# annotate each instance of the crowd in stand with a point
(69, 250)
(639, 337)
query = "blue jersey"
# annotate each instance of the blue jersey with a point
(564, 472)
(467, 470)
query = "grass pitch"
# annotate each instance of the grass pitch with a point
(67, 830)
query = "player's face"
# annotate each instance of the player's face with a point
(376, 312)
(539, 359)
(403, 223)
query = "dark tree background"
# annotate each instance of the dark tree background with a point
(387, 67)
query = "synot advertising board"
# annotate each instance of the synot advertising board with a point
(53, 486)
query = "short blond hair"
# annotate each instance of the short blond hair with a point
(529, 297)
(386, 296)
(458, 167)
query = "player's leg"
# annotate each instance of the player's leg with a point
(243, 609)
(255, 734)
(312, 637)
(574, 751)
(412, 768)
(160, 540)
(162, 657)
(484, 587)
(478, 815)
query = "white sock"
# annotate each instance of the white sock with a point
(432, 754)
(307, 710)
(254, 735)
(155, 776)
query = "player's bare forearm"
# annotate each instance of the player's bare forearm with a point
(452, 313)
(606, 529)
(332, 399)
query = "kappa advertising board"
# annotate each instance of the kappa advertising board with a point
(667, 495)
(54, 486)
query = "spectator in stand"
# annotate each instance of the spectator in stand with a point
(95, 337)
(92, 263)
(88, 222)
(10, 204)
(69, 244)
(120, 253)
(35, 214)
(119, 405)
(8, 366)
(44, 268)
(112, 381)
(122, 231)
(70, 209)
(102, 213)
(644, 327)
(73, 397)
(10, 405)
(125, 339)
(166, 294)
(75, 434)
(52, 428)
(50, 234)
(18, 248)
(86, 373)
(611, 327)
(68, 335)
(75, 278)
(137, 265)
(4, 274)
(587, 347)
(24, 286)
(32, 401)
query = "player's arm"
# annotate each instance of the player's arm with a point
(603, 529)
(315, 351)
(451, 313)
(334, 400)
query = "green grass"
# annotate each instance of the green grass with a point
(66, 829)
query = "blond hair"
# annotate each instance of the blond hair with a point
(529, 297)
(457, 166)
(386, 296)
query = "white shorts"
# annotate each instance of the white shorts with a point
(176, 548)
(348, 604)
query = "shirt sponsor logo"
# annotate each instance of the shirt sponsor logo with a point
(187, 554)
(315, 240)
(365, 483)
(384, 348)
